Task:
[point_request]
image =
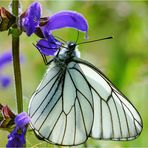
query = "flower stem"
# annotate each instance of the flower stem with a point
(16, 60)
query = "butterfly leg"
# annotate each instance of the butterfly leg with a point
(45, 59)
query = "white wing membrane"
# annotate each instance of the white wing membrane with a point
(77, 102)
(114, 117)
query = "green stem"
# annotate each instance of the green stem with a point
(16, 60)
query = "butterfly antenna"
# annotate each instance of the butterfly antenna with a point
(95, 40)
(77, 37)
(64, 42)
(60, 39)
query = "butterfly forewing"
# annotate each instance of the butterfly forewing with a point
(64, 114)
(77, 101)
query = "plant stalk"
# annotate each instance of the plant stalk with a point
(16, 59)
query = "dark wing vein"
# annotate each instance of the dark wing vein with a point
(47, 95)
(111, 119)
(54, 125)
(75, 125)
(47, 83)
(50, 101)
(87, 84)
(78, 101)
(118, 117)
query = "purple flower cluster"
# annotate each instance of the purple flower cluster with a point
(49, 45)
(17, 137)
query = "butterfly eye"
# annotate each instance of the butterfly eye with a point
(71, 46)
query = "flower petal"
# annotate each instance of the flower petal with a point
(43, 46)
(16, 139)
(22, 119)
(34, 10)
(67, 19)
(32, 18)
(48, 47)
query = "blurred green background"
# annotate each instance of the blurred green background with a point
(124, 59)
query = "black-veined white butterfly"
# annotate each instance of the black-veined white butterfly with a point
(75, 100)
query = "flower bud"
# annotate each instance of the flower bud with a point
(6, 19)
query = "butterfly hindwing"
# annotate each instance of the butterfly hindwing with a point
(114, 116)
(77, 101)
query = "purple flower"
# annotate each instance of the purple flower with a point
(17, 137)
(31, 18)
(5, 58)
(62, 19)
(22, 119)
(67, 18)
(49, 45)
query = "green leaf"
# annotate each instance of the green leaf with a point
(33, 141)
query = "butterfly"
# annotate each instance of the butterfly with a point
(75, 100)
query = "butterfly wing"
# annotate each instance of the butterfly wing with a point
(115, 117)
(60, 112)
(77, 101)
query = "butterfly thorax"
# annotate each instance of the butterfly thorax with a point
(66, 54)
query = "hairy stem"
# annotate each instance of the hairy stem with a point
(16, 60)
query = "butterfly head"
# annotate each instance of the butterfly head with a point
(71, 46)
(69, 51)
